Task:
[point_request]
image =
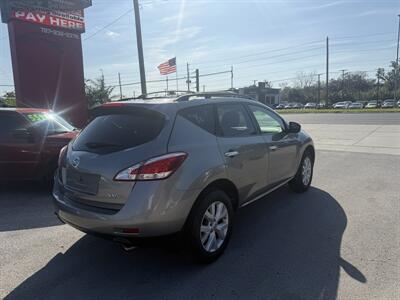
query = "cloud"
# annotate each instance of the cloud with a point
(175, 18)
(112, 34)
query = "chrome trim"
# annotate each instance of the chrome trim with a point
(266, 193)
(231, 153)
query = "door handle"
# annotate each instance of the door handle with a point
(273, 148)
(231, 153)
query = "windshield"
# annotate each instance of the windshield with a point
(49, 123)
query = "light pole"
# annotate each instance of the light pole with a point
(140, 47)
(396, 70)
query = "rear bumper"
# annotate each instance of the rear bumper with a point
(148, 210)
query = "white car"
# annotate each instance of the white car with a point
(343, 105)
(310, 105)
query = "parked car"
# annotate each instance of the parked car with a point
(280, 106)
(356, 105)
(157, 167)
(398, 103)
(389, 103)
(30, 142)
(310, 105)
(343, 105)
(298, 105)
(322, 105)
(372, 104)
(290, 106)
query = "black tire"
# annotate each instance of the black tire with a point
(192, 237)
(297, 184)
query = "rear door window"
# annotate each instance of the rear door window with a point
(116, 132)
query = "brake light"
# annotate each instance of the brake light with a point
(62, 154)
(154, 169)
(113, 104)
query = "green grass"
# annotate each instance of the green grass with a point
(339, 111)
(10, 102)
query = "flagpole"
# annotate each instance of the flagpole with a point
(177, 84)
(167, 83)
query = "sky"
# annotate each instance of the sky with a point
(262, 40)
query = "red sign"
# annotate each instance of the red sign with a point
(68, 21)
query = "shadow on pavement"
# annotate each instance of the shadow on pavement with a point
(286, 246)
(26, 205)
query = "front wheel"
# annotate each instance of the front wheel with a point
(302, 180)
(209, 226)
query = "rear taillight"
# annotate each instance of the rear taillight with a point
(154, 169)
(61, 156)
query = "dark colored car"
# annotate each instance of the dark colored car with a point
(30, 142)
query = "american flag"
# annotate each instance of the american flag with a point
(168, 67)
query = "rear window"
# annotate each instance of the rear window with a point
(116, 132)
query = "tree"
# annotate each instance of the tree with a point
(9, 99)
(9, 95)
(97, 92)
(304, 80)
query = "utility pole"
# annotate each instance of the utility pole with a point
(327, 70)
(120, 86)
(396, 70)
(204, 88)
(140, 47)
(344, 70)
(197, 80)
(188, 77)
(231, 77)
(378, 77)
(319, 89)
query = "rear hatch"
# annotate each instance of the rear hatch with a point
(117, 138)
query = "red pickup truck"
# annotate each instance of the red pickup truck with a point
(30, 141)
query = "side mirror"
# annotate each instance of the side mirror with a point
(24, 134)
(294, 127)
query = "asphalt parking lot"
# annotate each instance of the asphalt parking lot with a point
(340, 240)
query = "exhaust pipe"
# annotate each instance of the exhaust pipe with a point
(125, 244)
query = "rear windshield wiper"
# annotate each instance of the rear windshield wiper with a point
(94, 145)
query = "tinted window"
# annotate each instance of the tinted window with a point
(9, 122)
(234, 121)
(110, 133)
(202, 116)
(267, 120)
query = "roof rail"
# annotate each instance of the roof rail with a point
(170, 93)
(209, 95)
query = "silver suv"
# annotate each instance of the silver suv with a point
(158, 167)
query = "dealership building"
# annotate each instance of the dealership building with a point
(262, 93)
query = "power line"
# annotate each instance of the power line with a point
(108, 25)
